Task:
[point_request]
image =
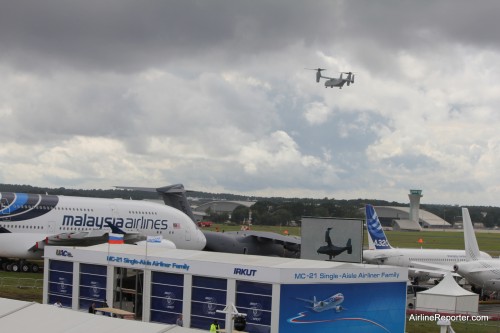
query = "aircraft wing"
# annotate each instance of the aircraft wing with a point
(431, 269)
(253, 242)
(384, 256)
(305, 300)
(291, 243)
(88, 238)
(435, 267)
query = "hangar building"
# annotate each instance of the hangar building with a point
(219, 206)
(275, 294)
(399, 218)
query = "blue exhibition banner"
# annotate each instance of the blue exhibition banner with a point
(62, 266)
(93, 269)
(92, 280)
(356, 307)
(209, 295)
(61, 283)
(93, 293)
(168, 278)
(254, 288)
(166, 304)
(253, 301)
(209, 282)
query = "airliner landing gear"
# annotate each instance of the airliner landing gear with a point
(18, 266)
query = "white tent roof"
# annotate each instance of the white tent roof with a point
(28, 317)
(448, 297)
(447, 287)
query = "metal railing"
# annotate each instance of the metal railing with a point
(21, 282)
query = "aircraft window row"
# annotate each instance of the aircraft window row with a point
(432, 259)
(57, 208)
(32, 207)
(142, 213)
(76, 229)
(17, 226)
(75, 209)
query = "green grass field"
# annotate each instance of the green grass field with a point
(454, 239)
(458, 327)
(21, 286)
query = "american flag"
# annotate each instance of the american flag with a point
(177, 225)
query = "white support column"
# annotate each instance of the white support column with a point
(146, 296)
(110, 285)
(230, 299)
(76, 286)
(46, 264)
(275, 308)
(186, 299)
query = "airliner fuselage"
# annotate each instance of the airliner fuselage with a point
(26, 220)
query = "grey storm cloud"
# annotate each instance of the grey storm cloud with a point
(126, 35)
(123, 35)
(214, 94)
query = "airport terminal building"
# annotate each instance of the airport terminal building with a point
(275, 294)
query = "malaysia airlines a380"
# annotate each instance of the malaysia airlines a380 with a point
(28, 222)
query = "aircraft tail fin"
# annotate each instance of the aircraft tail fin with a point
(349, 246)
(375, 231)
(175, 196)
(471, 248)
(115, 229)
(172, 195)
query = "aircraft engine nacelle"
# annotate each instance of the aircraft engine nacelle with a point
(318, 76)
(418, 277)
(350, 79)
(165, 243)
(338, 308)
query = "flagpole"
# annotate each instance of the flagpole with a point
(107, 258)
(146, 261)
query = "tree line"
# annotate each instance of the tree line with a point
(277, 210)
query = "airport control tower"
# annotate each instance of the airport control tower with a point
(415, 196)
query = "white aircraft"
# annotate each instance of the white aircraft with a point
(481, 273)
(28, 222)
(422, 264)
(332, 302)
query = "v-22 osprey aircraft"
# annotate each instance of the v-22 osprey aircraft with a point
(334, 82)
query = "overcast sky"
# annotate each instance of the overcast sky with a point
(214, 95)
